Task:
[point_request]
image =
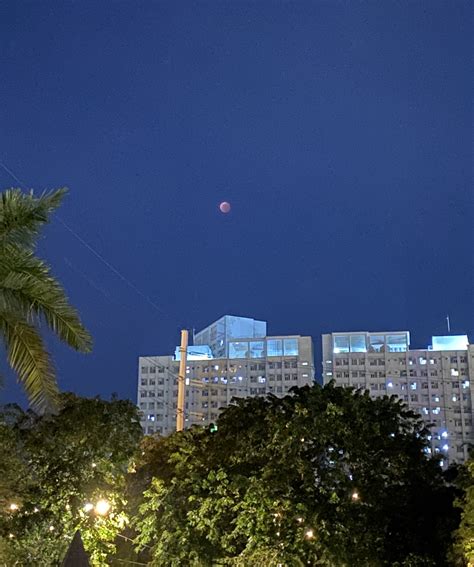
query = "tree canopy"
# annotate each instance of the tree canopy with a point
(324, 476)
(55, 469)
(30, 296)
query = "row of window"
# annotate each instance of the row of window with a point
(371, 343)
(258, 349)
(151, 405)
(150, 430)
(401, 361)
(416, 385)
(207, 369)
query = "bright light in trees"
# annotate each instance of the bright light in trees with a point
(13, 506)
(309, 534)
(88, 507)
(102, 507)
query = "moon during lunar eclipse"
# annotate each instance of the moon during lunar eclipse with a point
(224, 207)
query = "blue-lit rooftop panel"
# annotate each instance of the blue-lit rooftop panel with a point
(196, 352)
(453, 342)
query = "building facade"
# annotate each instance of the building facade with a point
(435, 382)
(231, 366)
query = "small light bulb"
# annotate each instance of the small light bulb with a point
(13, 506)
(299, 520)
(355, 496)
(309, 534)
(88, 507)
(51, 528)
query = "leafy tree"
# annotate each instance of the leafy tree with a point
(463, 549)
(325, 476)
(31, 296)
(61, 466)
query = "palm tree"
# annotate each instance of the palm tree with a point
(31, 298)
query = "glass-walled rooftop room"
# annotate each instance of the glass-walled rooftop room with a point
(364, 342)
(263, 348)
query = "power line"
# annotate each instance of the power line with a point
(92, 249)
(109, 265)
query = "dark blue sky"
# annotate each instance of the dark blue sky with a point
(341, 132)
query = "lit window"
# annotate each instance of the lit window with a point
(397, 343)
(454, 372)
(274, 347)
(465, 384)
(389, 384)
(436, 410)
(377, 343)
(341, 344)
(290, 347)
(257, 349)
(357, 343)
(412, 385)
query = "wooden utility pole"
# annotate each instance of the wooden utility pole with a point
(183, 351)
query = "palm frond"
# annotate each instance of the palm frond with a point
(29, 359)
(27, 286)
(23, 214)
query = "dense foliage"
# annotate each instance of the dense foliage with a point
(326, 476)
(30, 296)
(53, 468)
(463, 551)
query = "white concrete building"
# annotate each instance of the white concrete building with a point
(245, 365)
(436, 382)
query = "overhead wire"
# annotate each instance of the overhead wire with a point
(91, 248)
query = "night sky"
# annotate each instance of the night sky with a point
(340, 132)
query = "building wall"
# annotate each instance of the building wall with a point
(211, 384)
(435, 384)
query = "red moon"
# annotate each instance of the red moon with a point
(224, 207)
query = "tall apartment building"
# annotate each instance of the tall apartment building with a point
(435, 382)
(233, 358)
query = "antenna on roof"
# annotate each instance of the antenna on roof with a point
(448, 323)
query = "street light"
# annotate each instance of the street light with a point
(102, 507)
